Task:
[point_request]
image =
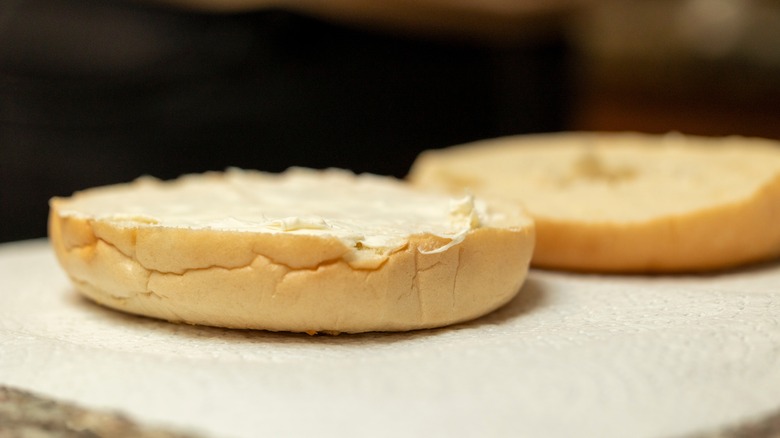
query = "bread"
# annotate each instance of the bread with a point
(302, 251)
(627, 202)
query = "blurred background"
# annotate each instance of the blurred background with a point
(709, 67)
(95, 92)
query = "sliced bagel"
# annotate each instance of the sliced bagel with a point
(302, 251)
(627, 202)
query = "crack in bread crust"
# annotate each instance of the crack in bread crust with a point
(388, 301)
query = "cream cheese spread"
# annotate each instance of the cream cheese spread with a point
(364, 211)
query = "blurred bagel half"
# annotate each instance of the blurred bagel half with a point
(627, 202)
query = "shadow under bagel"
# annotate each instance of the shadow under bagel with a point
(530, 297)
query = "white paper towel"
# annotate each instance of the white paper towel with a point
(573, 355)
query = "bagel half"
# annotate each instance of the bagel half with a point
(301, 251)
(627, 202)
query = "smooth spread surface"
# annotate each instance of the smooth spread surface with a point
(572, 355)
(367, 211)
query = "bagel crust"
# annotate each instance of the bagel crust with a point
(627, 202)
(287, 274)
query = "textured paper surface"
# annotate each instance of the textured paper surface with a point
(573, 355)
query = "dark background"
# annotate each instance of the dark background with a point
(97, 91)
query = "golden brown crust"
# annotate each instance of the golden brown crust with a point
(718, 238)
(284, 282)
(715, 235)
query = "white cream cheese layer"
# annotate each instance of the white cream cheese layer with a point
(364, 211)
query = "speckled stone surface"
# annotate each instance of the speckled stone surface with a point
(572, 355)
(26, 415)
